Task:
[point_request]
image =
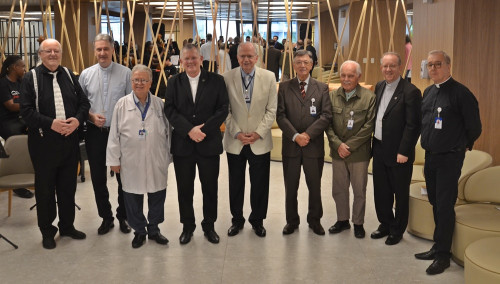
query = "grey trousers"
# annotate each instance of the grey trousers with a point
(345, 174)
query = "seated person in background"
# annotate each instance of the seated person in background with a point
(169, 68)
(13, 69)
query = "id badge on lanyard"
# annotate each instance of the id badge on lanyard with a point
(142, 132)
(312, 108)
(438, 122)
(350, 122)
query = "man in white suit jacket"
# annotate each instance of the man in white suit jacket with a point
(252, 109)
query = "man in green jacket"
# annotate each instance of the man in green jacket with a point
(349, 135)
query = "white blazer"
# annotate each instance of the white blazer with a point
(143, 162)
(259, 118)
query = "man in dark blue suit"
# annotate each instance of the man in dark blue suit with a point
(196, 104)
(397, 127)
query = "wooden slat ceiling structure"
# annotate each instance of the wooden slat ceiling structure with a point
(202, 8)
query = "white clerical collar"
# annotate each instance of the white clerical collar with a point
(393, 84)
(439, 85)
(195, 78)
(105, 69)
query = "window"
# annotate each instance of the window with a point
(114, 23)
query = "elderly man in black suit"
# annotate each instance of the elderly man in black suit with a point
(397, 127)
(196, 104)
(304, 113)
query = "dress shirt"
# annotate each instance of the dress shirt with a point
(104, 87)
(206, 49)
(248, 78)
(138, 102)
(307, 82)
(305, 89)
(193, 82)
(386, 98)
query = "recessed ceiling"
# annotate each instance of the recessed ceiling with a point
(276, 11)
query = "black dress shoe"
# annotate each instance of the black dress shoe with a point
(289, 229)
(339, 226)
(438, 265)
(74, 234)
(138, 241)
(159, 238)
(317, 229)
(428, 255)
(393, 239)
(359, 231)
(49, 243)
(259, 230)
(124, 227)
(106, 225)
(212, 236)
(185, 237)
(234, 230)
(23, 192)
(379, 233)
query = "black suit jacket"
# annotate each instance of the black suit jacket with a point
(293, 116)
(401, 121)
(210, 108)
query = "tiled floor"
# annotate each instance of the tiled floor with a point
(302, 257)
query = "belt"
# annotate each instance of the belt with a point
(102, 129)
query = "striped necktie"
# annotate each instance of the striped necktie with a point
(302, 89)
(58, 100)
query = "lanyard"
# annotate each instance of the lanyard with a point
(249, 82)
(143, 113)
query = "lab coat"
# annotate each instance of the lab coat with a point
(144, 161)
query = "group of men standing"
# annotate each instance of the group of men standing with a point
(54, 104)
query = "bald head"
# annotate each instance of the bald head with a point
(50, 53)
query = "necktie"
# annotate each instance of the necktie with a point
(302, 89)
(58, 100)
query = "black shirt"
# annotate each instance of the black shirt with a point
(461, 123)
(76, 103)
(8, 91)
(170, 70)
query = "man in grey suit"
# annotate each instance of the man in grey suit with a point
(252, 110)
(273, 60)
(304, 113)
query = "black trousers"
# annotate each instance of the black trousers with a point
(389, 183)
(136, 219)
(206, 64)
(313, 170)
(185, 172)
(55, 160)
(442, 172)
(259, 167)
(96, 142)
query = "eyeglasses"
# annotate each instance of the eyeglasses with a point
(49, 51)
(389, 66)
(435, 64)
(303, 62)
(140, 81)
(246, 56)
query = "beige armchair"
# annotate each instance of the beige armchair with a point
(480, 217)
(16, 171)
(419, 223)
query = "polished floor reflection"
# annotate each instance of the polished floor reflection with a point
(302, 257)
